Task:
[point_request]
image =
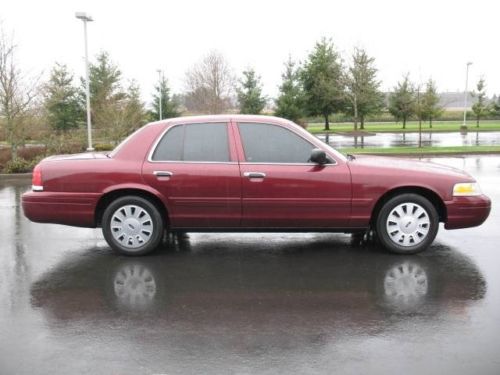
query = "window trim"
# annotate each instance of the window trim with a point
(165, 131)
(237, 123)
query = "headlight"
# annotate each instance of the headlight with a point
(466, 189)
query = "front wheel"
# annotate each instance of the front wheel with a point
(407, 224)
(132, 225)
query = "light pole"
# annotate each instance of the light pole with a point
(86, 18)
(160, 89)
(464, 125)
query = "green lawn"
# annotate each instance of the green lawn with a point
(412, 126)
(422, 150)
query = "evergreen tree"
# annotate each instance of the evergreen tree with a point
(495, 106)
(480, 108)
(402, 100)
(124, 114)
(169, 104)
(322, 81)
(105, 89)
(61, 100)
(363, 92)
(430, 102)
(250, 98)
(290, 102)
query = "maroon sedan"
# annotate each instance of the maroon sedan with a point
(248, 173)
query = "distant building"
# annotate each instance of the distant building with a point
(449, 101)
(454, 101)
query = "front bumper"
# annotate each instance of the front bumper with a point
(75, 209)
(465, 212)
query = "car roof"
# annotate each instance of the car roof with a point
(222, 118)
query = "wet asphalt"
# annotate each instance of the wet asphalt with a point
(249, 303)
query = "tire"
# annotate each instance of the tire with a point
(132, 225)
(407, 224)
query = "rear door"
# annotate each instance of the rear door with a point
(281, 188)
(195, 167)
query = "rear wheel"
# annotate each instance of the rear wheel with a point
(132, 225)
(407, 224)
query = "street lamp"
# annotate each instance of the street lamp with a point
(464, 125)
(87, 18)
(160, 89)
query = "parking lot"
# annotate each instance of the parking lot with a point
(249, 303)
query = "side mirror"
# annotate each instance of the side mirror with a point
(318, 156)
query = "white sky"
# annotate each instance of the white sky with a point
(426, 38)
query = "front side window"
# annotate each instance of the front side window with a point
(194, 142)
(266, 143)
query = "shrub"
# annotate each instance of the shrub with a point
(20, 165)
(65, 144)
(103, 147)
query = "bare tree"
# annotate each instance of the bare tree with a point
(210, 84)
(16, 94)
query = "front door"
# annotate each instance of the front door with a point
(282, 189)
(193, 167)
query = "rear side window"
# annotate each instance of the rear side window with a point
(266, 143)
(170, 146)
(194, 142)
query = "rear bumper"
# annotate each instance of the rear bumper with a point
(465, 212)
(75, 209)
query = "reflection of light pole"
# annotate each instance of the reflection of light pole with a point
(464, 125)
(160, 89)
(86, 18)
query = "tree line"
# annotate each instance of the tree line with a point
(322, 85)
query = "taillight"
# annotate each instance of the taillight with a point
(36, 180)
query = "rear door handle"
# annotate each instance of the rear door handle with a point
(254, 174)
(162, 174)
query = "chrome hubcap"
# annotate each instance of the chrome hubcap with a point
(408, 224)
(131, 226)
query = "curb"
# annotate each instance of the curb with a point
(15, 176)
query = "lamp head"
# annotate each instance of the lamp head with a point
(83, 16)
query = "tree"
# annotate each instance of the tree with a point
(495, 106)
(61, 100)
(480, 108)
(17, 94)
(209, 84)
(362, 85)
(402, 100)
(105, 89)
(430, 108)
(124, 114)
(322, 81)
(290, 102)
(169, 104)
(250, 98)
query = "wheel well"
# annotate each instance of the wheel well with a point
(429, 194)
(106, 199)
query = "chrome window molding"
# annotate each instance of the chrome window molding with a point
(191, 162)
(334, 163)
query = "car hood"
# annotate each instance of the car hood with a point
(409, 165)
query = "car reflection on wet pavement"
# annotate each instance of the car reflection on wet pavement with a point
(248, 303)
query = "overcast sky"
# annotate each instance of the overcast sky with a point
(426, 38)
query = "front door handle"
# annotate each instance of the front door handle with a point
(162, 174)
(254, 174)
